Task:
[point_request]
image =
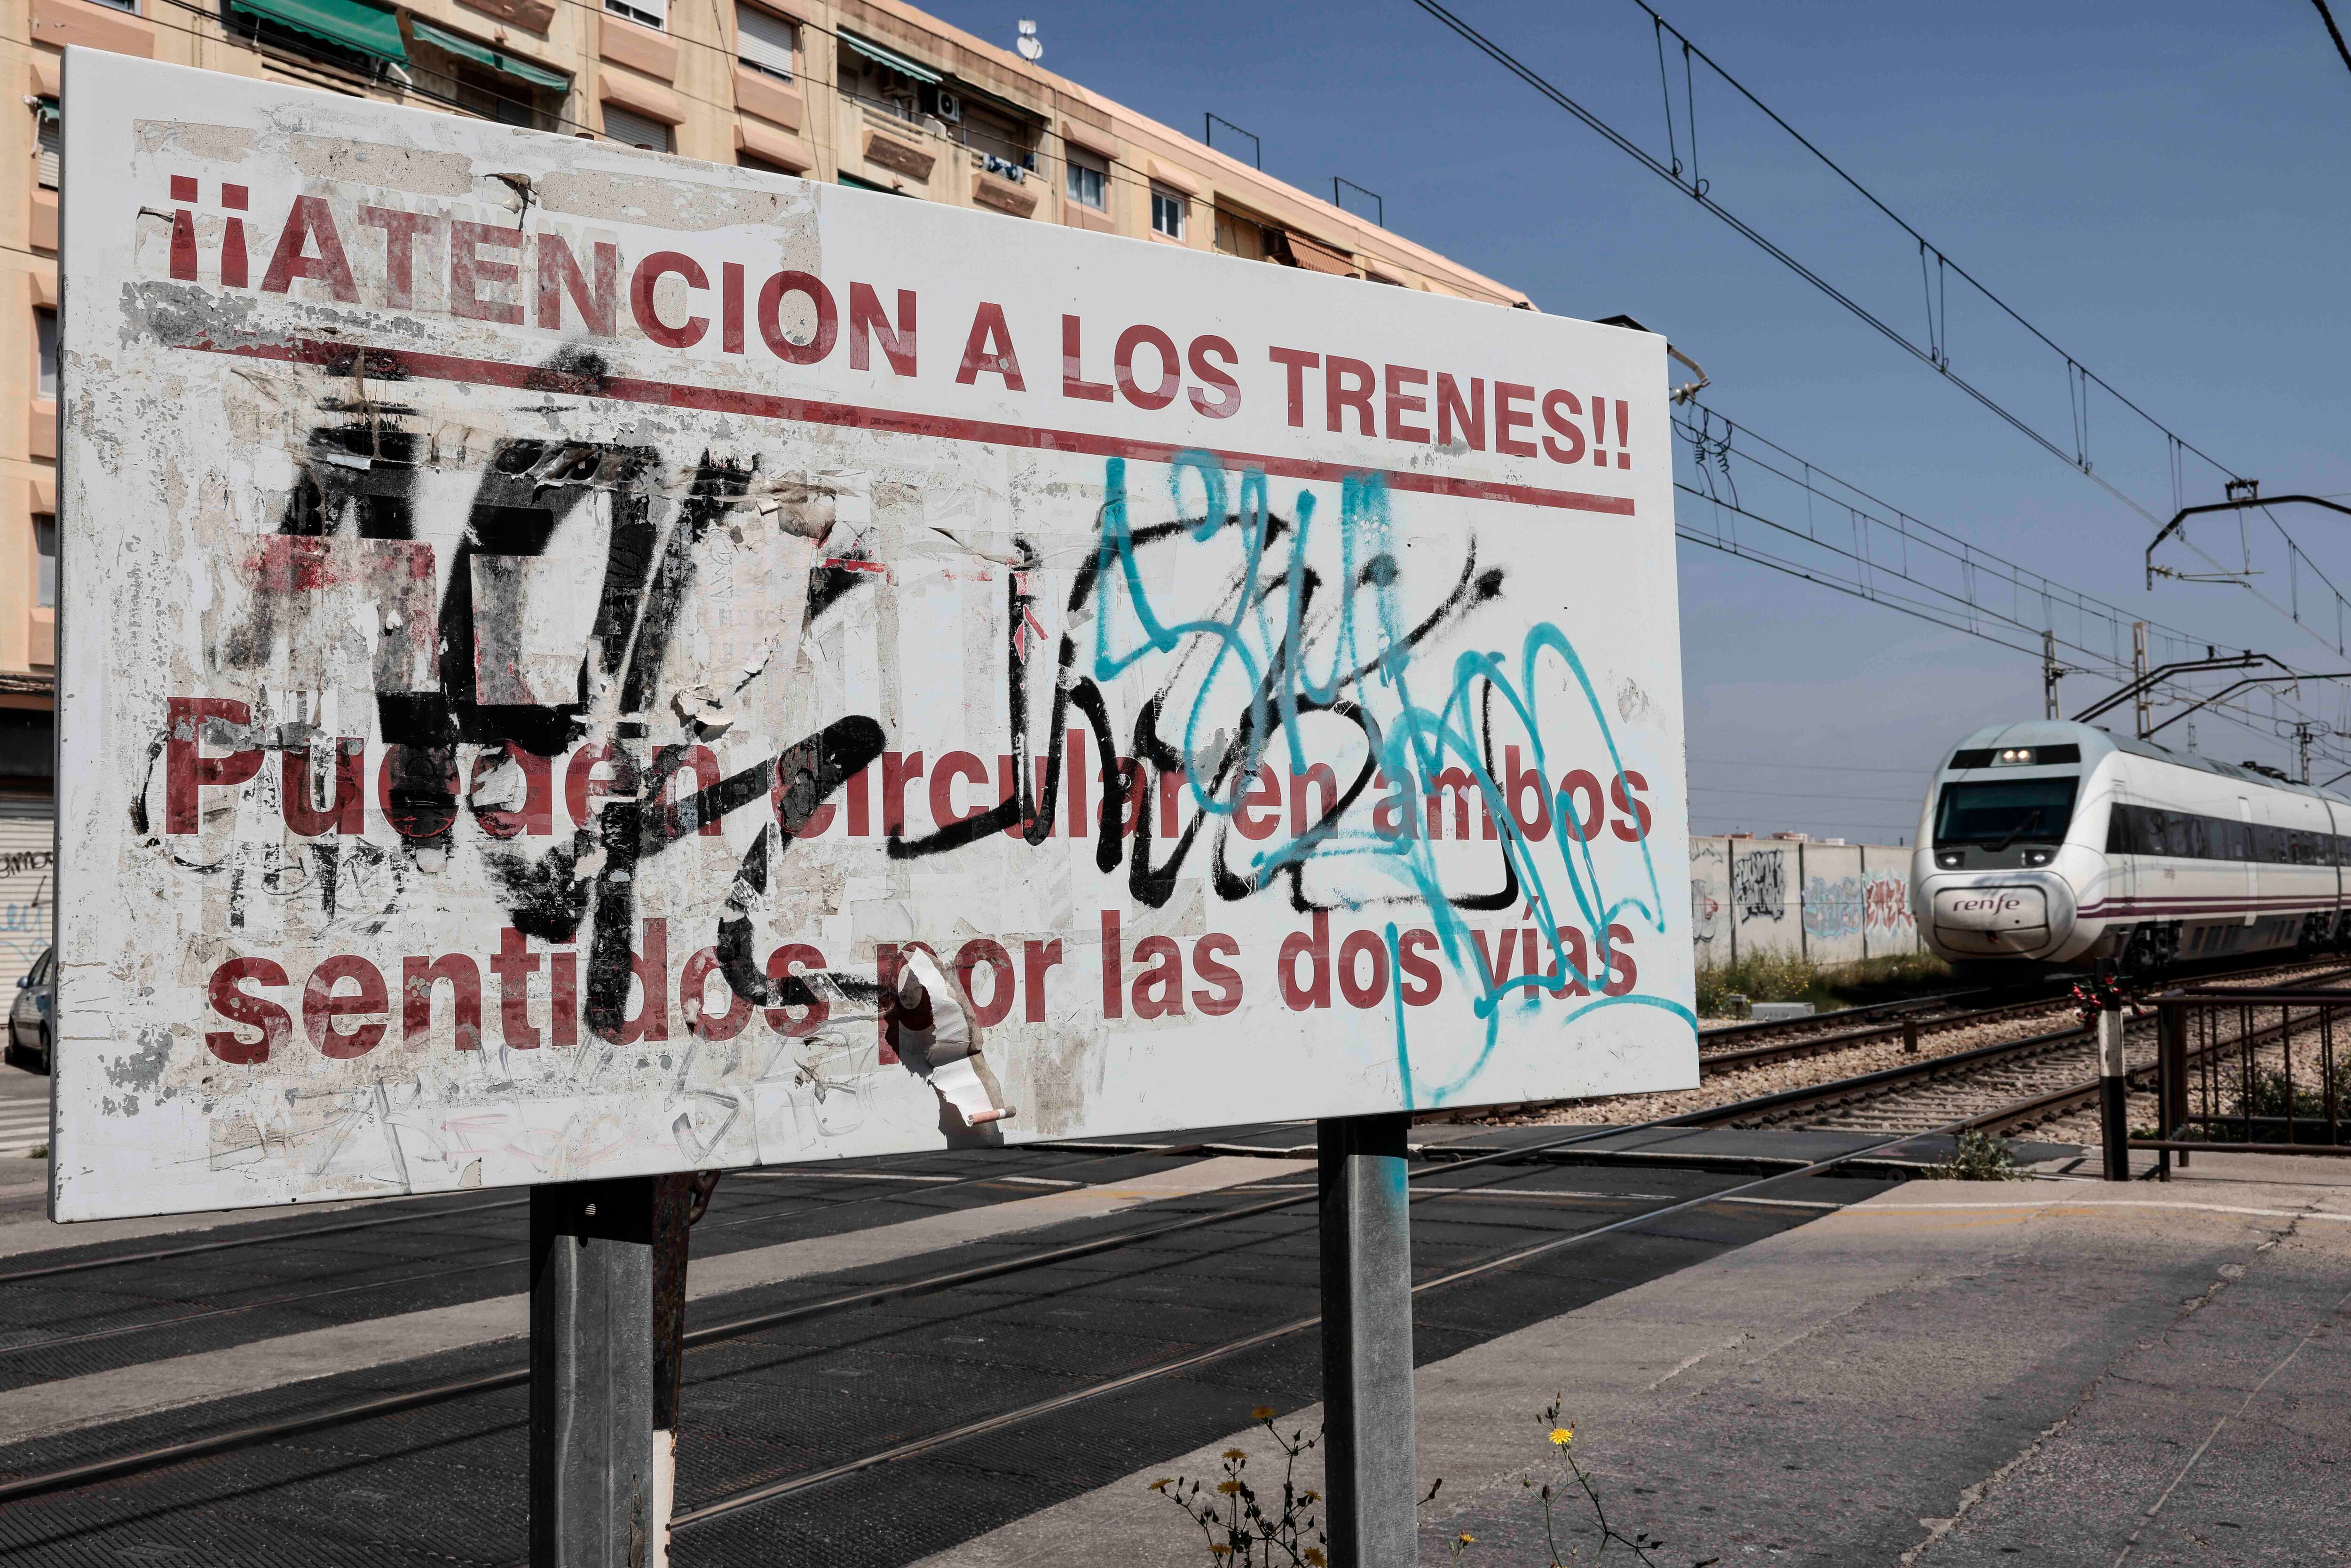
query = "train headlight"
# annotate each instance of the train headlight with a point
(2014, 757)
(2039, 857)
(1950, 859)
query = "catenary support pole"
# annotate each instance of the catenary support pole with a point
(2113, 1107)
(596, 1497)
(1367, 1342)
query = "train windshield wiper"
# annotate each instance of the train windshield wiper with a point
(2018, 831)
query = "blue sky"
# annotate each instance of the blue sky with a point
(2157, 186)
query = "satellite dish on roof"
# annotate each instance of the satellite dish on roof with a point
(1031, 48)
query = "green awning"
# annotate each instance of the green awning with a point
(363, 30)
(522, 70)
(890, 58)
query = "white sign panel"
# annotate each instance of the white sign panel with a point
(577, 663)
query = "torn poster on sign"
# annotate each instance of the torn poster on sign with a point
(693, 668)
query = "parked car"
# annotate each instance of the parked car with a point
(28, 1020)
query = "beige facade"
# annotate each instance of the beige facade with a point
(864, 92)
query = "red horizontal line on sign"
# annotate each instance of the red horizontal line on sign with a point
(890, 422)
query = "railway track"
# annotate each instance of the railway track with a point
(2005, 1086)
(1994, 1087)
(737, 1501)
(704, 1335)
(706, 1504)
(1910, 1023)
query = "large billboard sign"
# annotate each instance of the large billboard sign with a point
(577, 663)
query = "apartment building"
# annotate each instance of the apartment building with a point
(865, 92)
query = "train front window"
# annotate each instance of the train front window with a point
(2020, 811)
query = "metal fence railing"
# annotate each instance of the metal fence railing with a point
(2263, 1071)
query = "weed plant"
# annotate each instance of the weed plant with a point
(1242, 1529)
(1978, 1157)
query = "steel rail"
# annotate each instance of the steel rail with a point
(156, 1458)
(51, 1271)
(1924, 1070)
(1709, 1063)
(1834, 1030)
(1874, 1010)
(828, 1206)
(2038, 1108)
(1838, 1040)
(188, 1249)
(160, 1254)
(912, 1448)
(2063, 1101)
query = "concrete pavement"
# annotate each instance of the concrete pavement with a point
(1950, 1374)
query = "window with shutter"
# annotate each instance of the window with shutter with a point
(652, 12)
(44, 339)
(44, 547)
(1089, 180)
(48, 131)
(765, 42)
(637, 129)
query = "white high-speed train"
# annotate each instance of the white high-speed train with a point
(2059, 844)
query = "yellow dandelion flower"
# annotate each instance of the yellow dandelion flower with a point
(1562, 1437)
(1467, 1539)
(1235, 1454)
(1262, 1413)
(1220, 1551)
(1314, 1558)
(1163, 1483)
(1229, 1487)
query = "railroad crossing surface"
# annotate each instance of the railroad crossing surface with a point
(1839, 1368)
(1943, 1373)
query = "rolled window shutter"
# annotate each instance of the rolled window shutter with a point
(47, 130)
(637, 129)
(765, 41)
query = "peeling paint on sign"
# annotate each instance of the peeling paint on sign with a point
(578, 664)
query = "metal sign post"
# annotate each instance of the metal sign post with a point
(1368, 1391)
(607, 1326)
(595, 1499)
(2113, 1104)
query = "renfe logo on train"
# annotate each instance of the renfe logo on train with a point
(577, 662)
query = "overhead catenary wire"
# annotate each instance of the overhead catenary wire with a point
(2072, 445)
(1804, 767)
(2333, 32)
(1870, 569)
(1722, 451)
(1701, 192)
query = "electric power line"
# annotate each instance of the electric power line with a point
(1937, 271)
(2332, 31)
(1889, 558)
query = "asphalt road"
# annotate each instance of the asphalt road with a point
(372, 1308)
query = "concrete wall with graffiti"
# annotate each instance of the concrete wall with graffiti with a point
(1766, 880)
(1710, 902)
(1831, 911)
(1832, 903)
